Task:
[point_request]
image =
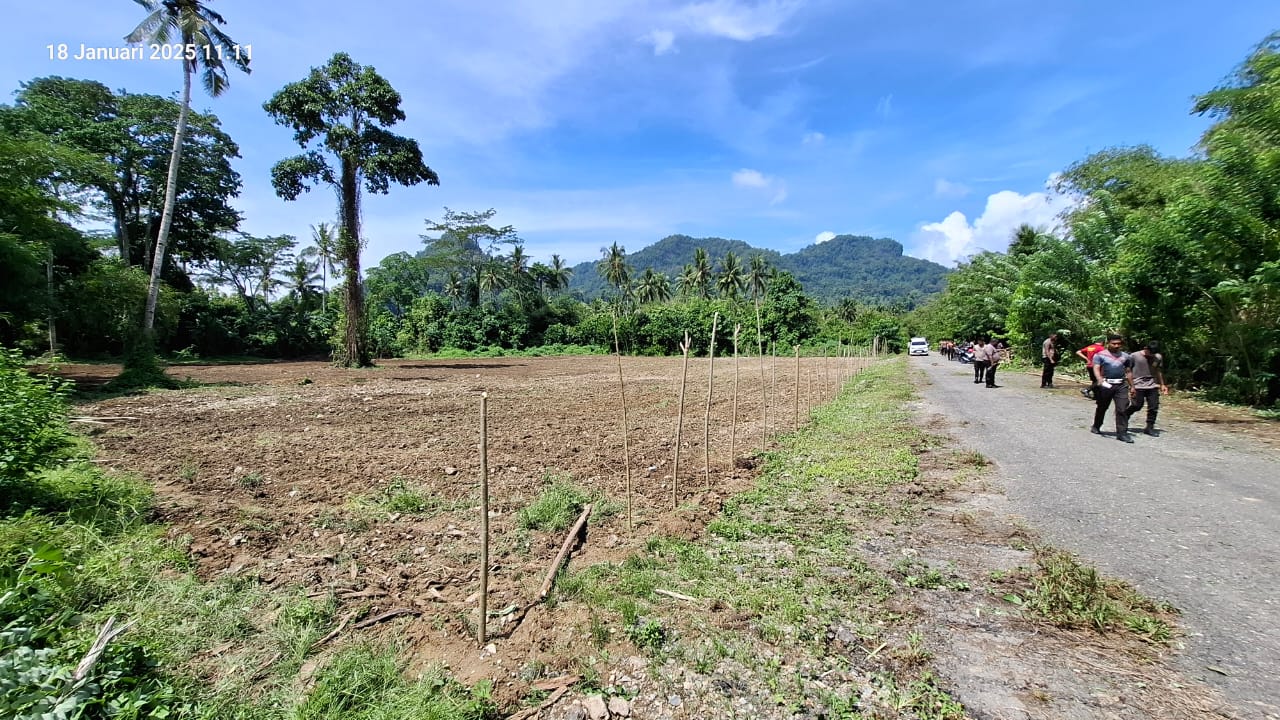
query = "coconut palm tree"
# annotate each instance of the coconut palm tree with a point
(686, 285)
(731, 281)
(327, 250)
(453, 286)
(614, 267)
(702, 275)
(301, 277)
(757, 277)
(653, 287)
(560, 274)
(195, 26)
(493, 278)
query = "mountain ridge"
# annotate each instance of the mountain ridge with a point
(846, 266)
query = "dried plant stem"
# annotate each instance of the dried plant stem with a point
(626, 447)
(484, 519)
(675, 466)
(706, 417)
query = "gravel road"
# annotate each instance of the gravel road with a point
(1191, 517)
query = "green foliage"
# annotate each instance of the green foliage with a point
(32, 421)
(322, 109)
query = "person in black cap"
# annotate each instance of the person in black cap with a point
(1148, 385)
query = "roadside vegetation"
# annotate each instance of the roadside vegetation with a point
(79, 558)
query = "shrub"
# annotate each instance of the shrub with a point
(33, 413)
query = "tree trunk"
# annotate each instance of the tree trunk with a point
(170, 197)
(122, 228)
(355, 351)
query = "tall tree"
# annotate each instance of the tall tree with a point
(731, 280)
(653, 287)
(327, 249)
(560, 274)
(130, 138)
(702, 275)
(614, 269)
(346, 107)
(208, 49)
(301, 277)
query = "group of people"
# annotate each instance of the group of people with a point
(986, 356)
(1127, 381)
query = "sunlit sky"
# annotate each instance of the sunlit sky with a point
(780, 123)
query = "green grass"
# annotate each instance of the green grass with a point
(784, 556)
(555, 508)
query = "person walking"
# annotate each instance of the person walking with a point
(979, 360)
(1049, 356)
(993, 361)
(1148, 384)
(1114, 369)
(1086, 353)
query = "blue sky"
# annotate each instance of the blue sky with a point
(776, 122)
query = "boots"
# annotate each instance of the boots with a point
(1151, 430)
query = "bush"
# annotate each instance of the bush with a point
(33, 413)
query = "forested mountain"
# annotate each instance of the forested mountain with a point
(854, 266)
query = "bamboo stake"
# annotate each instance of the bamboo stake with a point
(706, 417)
(626, 447)
(484, 519)
(733, 426)
(675, 467)
(797, 403)
(764, 392)
(808, 393)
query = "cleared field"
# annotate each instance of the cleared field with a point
(364, 483)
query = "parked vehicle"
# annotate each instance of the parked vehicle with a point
(918, 346)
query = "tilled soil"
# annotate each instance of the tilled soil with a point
(281, 471)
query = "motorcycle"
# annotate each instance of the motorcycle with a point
(965, 355)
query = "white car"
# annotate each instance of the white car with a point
(918, 346)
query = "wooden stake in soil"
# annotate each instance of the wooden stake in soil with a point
(797, 417)
(484, 519)
(675, 466)
(565, 547)
(764, 390)
(733, 426)
(626, 448)
(706, 418)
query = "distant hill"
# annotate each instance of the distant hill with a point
(854, 266)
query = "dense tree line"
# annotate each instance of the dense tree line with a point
(1185, 251)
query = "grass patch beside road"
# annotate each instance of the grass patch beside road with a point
(779, 597)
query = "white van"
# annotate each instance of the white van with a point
(918, 346)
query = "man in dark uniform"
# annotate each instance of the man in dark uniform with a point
(1049, 356)
(1148, 384)
(1114, 369)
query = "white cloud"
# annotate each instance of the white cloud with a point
(954, 237)
(884, 106)
(945, 188)
(813, 138)
(738, 21)
(756, 180)
(823, 236)
(750, 178)
(663, 41)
